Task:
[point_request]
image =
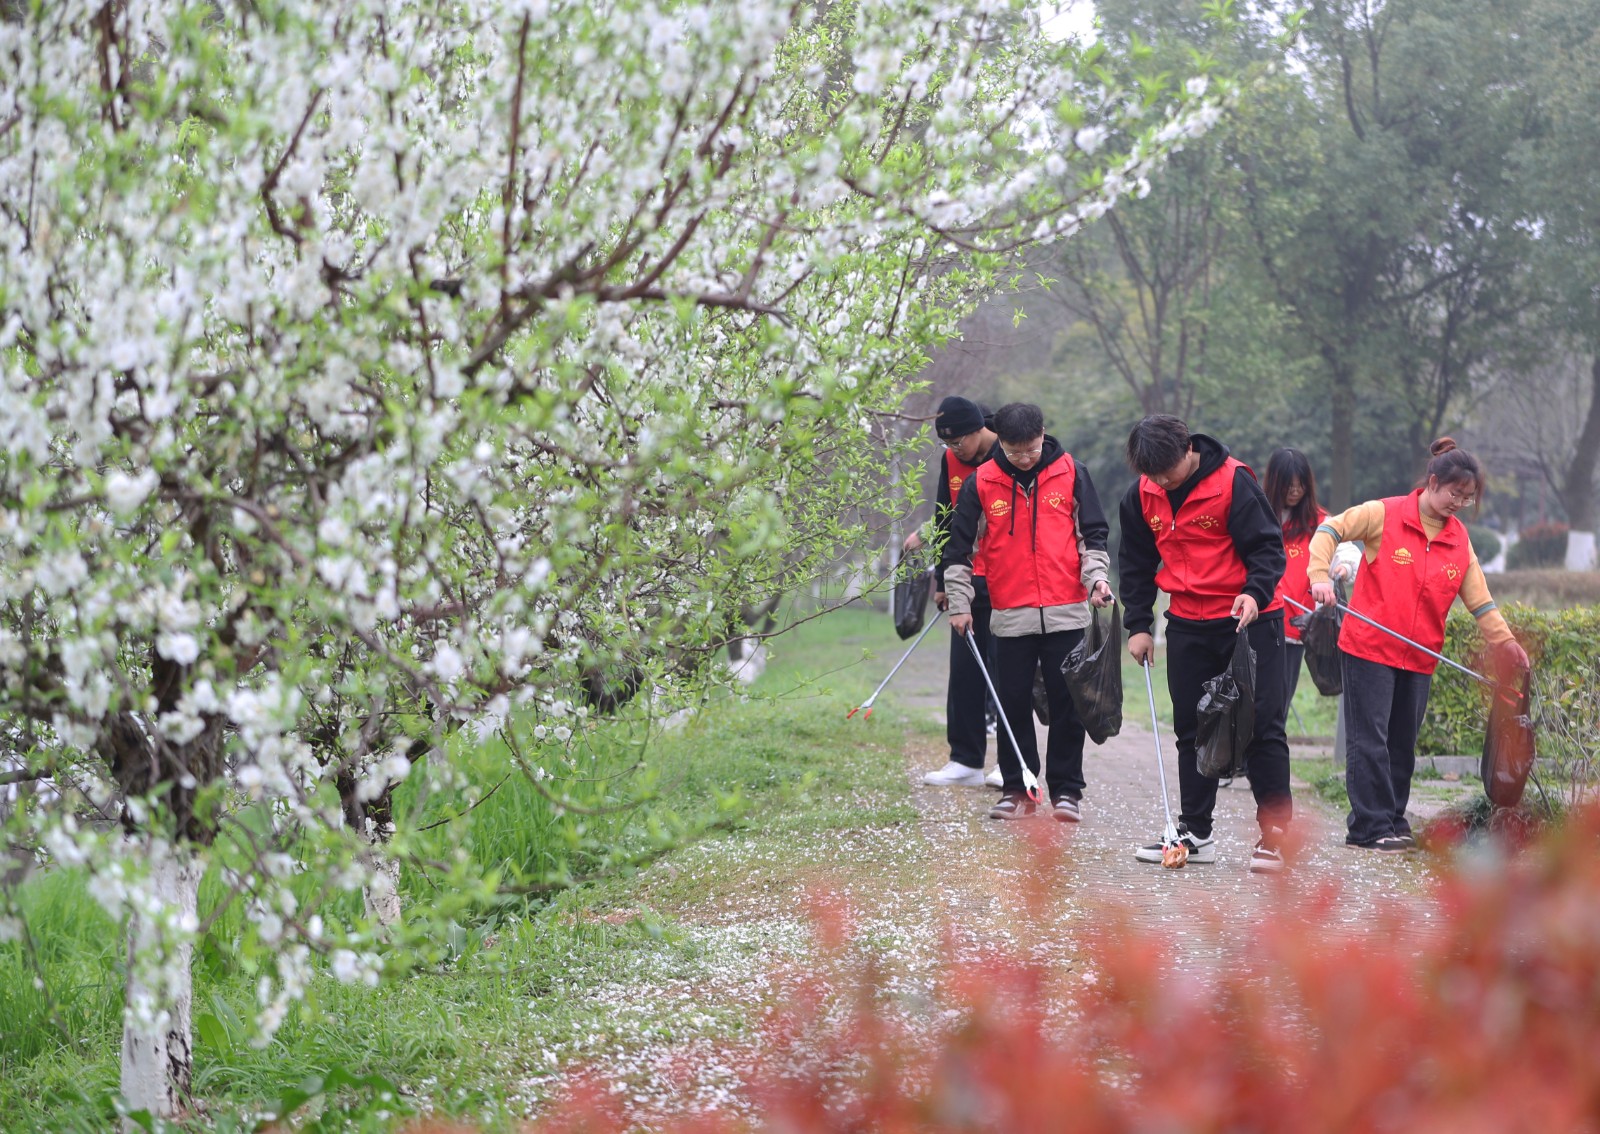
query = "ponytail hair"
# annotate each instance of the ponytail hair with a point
(1451, 465)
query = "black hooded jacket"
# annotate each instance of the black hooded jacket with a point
(1257, 536)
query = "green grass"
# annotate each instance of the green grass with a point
(470, 1032)
(1316, 712)
(1326, 779)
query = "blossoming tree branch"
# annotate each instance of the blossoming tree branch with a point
(380, 377)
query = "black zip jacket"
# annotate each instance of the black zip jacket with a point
(1257, 536)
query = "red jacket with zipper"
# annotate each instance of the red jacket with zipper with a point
(1408, 588)
(1200, 567)
(1030, 541)
(1295, 584)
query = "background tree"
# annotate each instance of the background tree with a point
(1556, 169)
(1377, 198)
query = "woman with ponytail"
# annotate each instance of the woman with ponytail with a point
(1292, 492)
(1418, 560)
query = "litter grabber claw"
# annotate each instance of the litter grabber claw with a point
(867, 704)
(1029, 780)
(1474, 674)
(1174, 853)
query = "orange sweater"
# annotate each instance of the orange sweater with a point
(1364, 522)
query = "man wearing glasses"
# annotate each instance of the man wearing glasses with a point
(1032, 518)
(968, 442)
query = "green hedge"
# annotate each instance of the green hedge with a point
(1564, 646)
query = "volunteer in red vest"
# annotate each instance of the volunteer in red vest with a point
(1197, 526)
(968, 442)
(1418, 560)
(1292, 493)
(1032, 517)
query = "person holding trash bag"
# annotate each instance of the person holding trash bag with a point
(968, 445)
(1292, 493)
(1417, 561)
(1197, 526)
(1032, 517)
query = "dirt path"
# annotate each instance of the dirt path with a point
(950, 882)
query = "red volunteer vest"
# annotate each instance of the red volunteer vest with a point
(955, 472)
(1200, 567)
(1409, 587)
(1295, 583)
(1030, 542)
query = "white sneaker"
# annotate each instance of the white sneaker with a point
(955, 775)
(994, 778)
(1200, 850)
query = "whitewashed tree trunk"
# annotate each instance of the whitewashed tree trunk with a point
(1580, 551)
(157, 1043)
(749, 659)
(382, 896)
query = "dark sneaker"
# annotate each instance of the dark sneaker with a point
(1066, 809)
(1388, 844)
(1200, 849)
(1267, 857)
(1014, 805)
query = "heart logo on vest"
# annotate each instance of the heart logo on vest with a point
(1402, 558)
(1155, 524)
(1055, 499)
(1207, 522)
(1294, 552)
(1452, 572)
(955, 487)
(1000, 507)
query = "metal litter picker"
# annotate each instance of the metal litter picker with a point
(1436, 656)
(1173, 851)
(867, 704)
(1029, 780)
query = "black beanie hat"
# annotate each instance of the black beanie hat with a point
(957, 418)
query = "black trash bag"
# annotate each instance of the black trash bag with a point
(1041, 698)
(913, 583)
(1319, 634)
(1094, 677)
(1508, 746)
(1227, 715)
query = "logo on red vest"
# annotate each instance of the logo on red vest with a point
(999, 507)
(1293, 552)
(1452, 572)
(1207, 521)
(1056, 499)
(955, 487)
(1402, 557)
(1155, 524)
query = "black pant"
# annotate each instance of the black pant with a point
(967, 696)
(1293, 655)
(1197, 652)
(1383, 710)
(1016, 660)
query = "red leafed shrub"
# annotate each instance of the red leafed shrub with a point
(1488, 1023)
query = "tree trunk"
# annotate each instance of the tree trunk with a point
(1341, 424)
(157, 1047)
(383, 896)
(1578, 491)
